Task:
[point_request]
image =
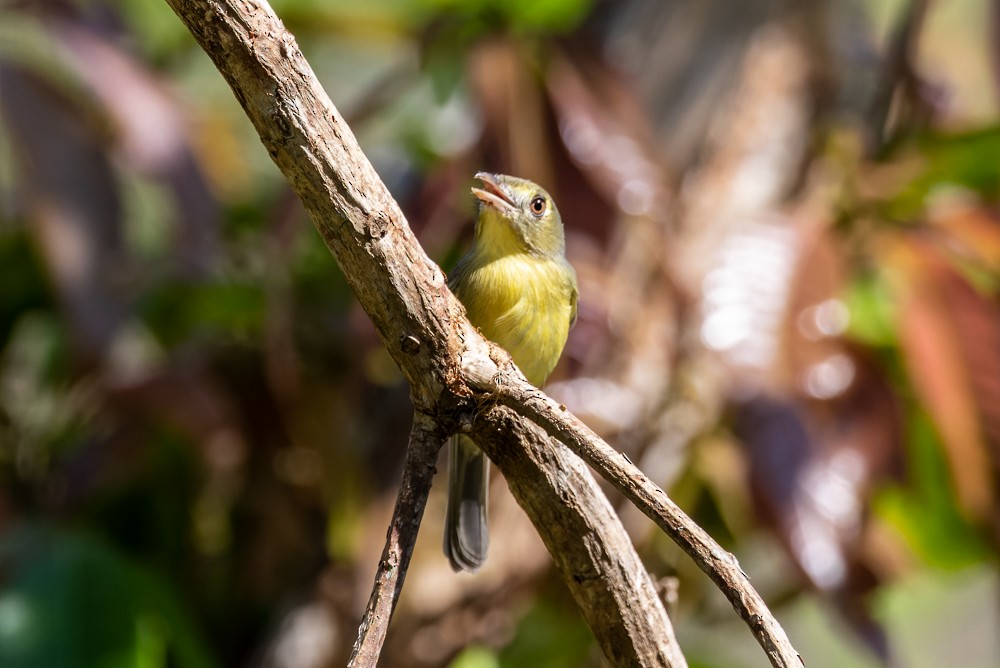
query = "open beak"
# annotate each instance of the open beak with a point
(492, 193)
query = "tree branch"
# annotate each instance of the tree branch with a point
(721, 566)
(605, 576)
(418, 472)
(454, 373)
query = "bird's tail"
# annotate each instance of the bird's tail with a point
(466, 535)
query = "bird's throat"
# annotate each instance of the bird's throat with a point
(495, 238)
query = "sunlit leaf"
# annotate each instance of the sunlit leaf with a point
(475, 657)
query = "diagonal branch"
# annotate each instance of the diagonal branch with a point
(418, 472)
(606, 577)
(721, 566)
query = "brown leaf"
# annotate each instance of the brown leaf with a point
(934, 350)
(970, 233)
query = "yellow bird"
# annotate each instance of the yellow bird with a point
(520, 291)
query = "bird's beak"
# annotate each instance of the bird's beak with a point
(492, 193)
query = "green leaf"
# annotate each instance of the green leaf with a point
(925, 510)
(549, 636)
(475, 657)
(70, 602)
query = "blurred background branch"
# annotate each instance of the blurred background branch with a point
(797, 338)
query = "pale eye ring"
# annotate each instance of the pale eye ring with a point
(538, 206)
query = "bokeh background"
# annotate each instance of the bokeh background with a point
(784, 219)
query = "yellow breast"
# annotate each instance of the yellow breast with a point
(525, 304)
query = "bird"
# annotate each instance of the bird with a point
(521, 292)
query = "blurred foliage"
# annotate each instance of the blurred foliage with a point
(785, 220)
(71, 601)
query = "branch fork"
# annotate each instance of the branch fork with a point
(453, 372)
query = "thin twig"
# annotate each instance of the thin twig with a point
(898, 75)
(721, 566)
(418, 472)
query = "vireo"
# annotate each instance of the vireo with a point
(520, 291)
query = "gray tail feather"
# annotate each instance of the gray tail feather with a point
(466, 535)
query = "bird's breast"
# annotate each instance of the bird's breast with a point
(525, 304)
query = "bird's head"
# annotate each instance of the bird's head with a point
(517, 215)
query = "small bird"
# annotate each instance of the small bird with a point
(520, 291)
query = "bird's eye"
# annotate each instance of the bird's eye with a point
(538, 206)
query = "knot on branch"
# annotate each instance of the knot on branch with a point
(409, 344)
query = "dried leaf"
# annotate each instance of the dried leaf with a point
(933, 348)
